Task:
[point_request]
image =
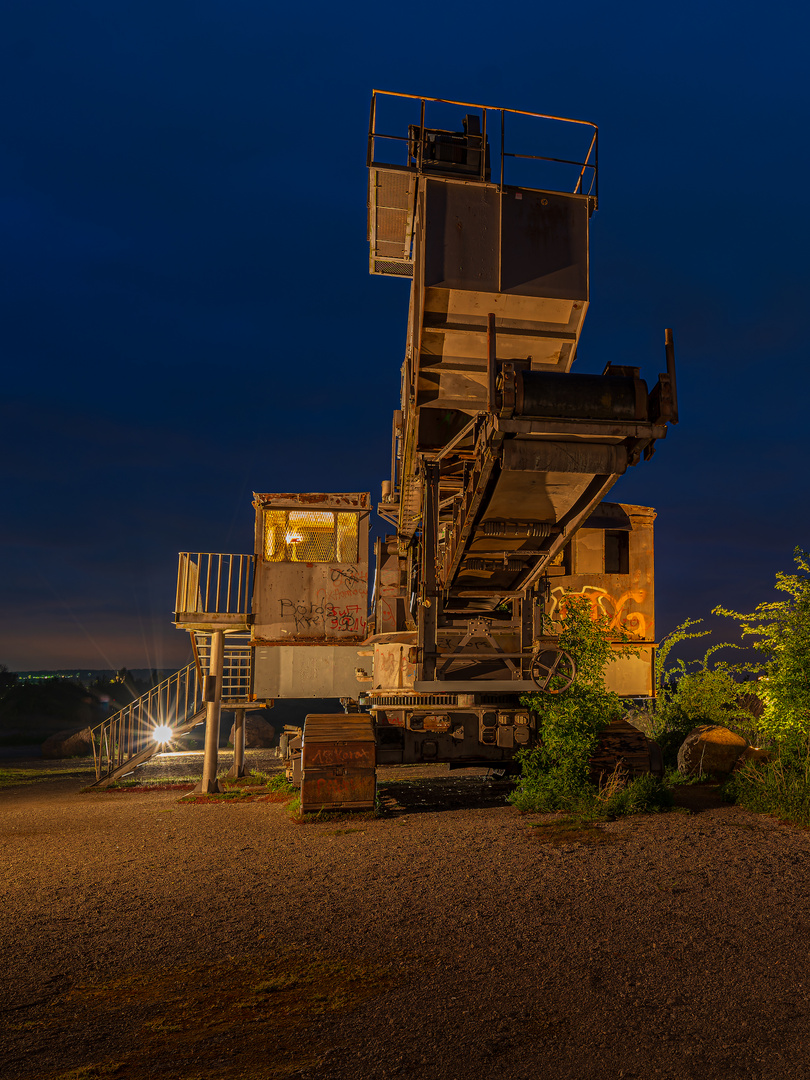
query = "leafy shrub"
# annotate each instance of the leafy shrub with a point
(690, 694)
(782, 628)
(644, 795)
(555, 774)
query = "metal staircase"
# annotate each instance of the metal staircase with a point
(132, 736)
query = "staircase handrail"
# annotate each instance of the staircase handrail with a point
(127, 731)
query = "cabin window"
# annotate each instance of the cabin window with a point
(310, 536)
(617, 552)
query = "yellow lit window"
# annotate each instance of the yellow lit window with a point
(310, 536)
(347, 538)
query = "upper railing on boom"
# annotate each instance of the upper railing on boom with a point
(582, 166)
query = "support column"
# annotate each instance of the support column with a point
(428, 621)
(238, 767)
(213, 708)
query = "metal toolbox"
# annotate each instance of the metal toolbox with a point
(338, 763)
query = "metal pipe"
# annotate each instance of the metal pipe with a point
(207, 580)
(502, 152)
(491, 362)
(484, 147)
(669, 346)
(209, 783)
(238, 767)
(371, 124)
(473, 105)
(596, 167)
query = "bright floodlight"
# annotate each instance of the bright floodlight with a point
(162, 734)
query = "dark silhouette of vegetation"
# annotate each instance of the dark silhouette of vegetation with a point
(30, 712)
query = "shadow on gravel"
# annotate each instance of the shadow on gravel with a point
(697, 797)
(443, 793)
(561, 832)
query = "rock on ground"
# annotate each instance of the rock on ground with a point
(68, 744)
(258, 733)
(711, 749)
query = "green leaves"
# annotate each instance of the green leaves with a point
(782, 630)
(555, 774)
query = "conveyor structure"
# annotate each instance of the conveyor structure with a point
(501, 461)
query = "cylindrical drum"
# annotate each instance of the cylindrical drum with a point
(580, 397)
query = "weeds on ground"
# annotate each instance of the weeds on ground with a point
(334, 817)
(150, 783)
(255, 787)
(780, 786)
(16, 777)
(674, 778)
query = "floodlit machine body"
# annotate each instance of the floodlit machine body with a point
(310, 594)
(502, 460)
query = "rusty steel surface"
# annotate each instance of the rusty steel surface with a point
(338, 762)
(501, 458)
(356, 500)
(311, 570)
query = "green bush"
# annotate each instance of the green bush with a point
(555, 774)
(644, 795)
(782, 628)
(690, 694)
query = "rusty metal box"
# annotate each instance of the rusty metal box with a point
(338, 763)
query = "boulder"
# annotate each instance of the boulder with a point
(712, 749)
(67, 744)
(259, 735)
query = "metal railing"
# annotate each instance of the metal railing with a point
(213, 584)
(237, 664)
(170, 704)
(583, 165)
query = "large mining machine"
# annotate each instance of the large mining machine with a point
(501, 461)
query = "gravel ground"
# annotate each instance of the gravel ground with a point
(144, 936)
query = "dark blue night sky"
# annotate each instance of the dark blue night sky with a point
(187, 314)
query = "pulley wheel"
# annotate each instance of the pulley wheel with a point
(552, 671)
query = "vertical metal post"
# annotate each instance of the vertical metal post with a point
(420, 156)
(213, 708)
(596, 166)
(491, 353)
(429, 598)
(238, 767)
(669, 346)
(526, 609)
(502, 147)
(484, 147)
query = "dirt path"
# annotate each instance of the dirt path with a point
(143, 937)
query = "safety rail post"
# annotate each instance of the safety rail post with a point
(213, 583)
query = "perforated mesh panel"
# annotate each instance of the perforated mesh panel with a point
(347, 538)
(393, 269)
(310, 536)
